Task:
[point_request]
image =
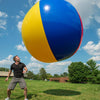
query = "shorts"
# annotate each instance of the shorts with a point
(14, 82)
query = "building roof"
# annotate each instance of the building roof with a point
(60, 79)
(2, 73)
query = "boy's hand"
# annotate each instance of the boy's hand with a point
(24, 71)
(6, 79)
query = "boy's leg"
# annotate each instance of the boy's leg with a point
(22, 84)
(12, 84)
(11, 87)
(25, 92)
(8, 92)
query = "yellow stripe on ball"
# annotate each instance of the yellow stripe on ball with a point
(34, 37)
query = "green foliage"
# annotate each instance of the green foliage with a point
(65, 74)
(49, 76)
(92, 65)
(78, 72)
(98, 79)
(37, 77)
(30, 75)
(4, 69)
(56, 75)
(42, 74)
(93, 77)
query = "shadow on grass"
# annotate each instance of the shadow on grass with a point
(62, 92)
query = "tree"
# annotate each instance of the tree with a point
(93, 76)
(30, 75)
(49, 76)
(98, 79)
(56, 75)
(42, 74)
(93, 68)
(78, 72)
(4, 69)
(65, 74)
(37, 77)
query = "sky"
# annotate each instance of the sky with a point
(12, 13)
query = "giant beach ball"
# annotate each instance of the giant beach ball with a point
(52, 30)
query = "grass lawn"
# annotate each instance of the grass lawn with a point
(41, 90)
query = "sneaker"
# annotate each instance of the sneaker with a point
(26, 99)
(7, 98)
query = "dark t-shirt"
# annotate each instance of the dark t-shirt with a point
(18, 69)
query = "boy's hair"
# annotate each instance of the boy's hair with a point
(14, 58)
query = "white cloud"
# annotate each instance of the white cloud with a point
(3, 21)
(90, 17)
(17, 16)
(9, 57)
(19, 25)
(53, 68)
(25, 57)
(98, 5)
(98, 65)
(32, 2)
(3, 14)
(96, 58)
(58, 67)
(34, 65)
(33, 59)
(3, 24)
(2, 34)
(21, 47)
(97, 18)
(98, 32)
(7, 61)
(22, 43)
(2, 27)
(93, 49)
(26, 5)
(22, 13)
(97, 2)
